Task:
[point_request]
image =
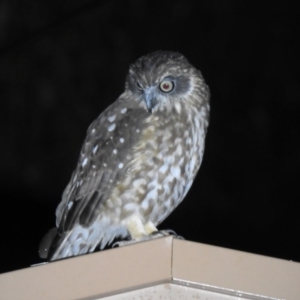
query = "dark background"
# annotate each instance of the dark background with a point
(63, 62)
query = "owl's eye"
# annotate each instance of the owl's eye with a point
(166, 86)
(139, 86)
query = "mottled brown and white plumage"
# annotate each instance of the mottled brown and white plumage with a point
(138, 160)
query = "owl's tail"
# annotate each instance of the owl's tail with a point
(55, 246)
(79, 240)
(46, 243)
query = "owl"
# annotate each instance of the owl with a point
(138, 160)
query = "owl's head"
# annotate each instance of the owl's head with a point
(164, 79)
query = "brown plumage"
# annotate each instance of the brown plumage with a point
(138, 160)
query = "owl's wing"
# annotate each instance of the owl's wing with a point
(102, 162)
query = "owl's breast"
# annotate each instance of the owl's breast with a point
(165, 162)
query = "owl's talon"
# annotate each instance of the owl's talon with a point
(167, 232)
(123, 243)
(153, 235)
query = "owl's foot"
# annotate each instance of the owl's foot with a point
(140, 239)
(166, 232)
(140, 232)
(124, 243)
(154, 235)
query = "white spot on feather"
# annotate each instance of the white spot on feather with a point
(95, 149)
(192, 163)
(145, 205)
(177, 141)
(130, 207)
(111, 118)
(175, 171)
(74, 179)
(123, 110)
(84, 162)
(121, 165)
(177, 107)
(111, 127)
(179, 150)
(138, 182)
(151, 195)
(169, 160)
(121, 140)
(115, 151)
(163, 169)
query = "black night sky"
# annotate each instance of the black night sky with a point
(63, 62)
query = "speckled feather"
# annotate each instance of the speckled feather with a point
(137, 163)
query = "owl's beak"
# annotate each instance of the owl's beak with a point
(150, 99)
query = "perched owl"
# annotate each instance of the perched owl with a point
(138, 160)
